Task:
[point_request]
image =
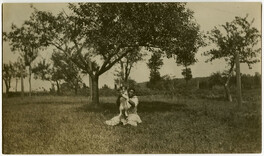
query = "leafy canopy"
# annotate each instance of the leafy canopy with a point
(109, 30)
(236, 36)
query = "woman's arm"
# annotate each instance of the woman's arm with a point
(132, 103)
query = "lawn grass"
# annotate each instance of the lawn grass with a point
(68, 125)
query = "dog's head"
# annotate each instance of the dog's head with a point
(123, 89)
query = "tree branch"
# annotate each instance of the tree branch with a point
(126, 70)
(107, 61)
(112, 63)
(129, 69)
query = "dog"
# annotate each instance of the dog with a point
(124, 104)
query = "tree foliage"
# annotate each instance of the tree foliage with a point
(154, 64)
(24, 40)
(61, 69)
(238, 35)
(67, 70)
(20, 68)
(47, 71)
(42, 70)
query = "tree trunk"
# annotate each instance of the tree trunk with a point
(16, 83)
(126, 82)
(122, 71)
(7, 91)
(22, 86)
(90, 82)
(186, 76)
(228, 95)
(238, 78)
(76, 88)
(7, 88)
(226, 85)
(95, 91)
(29, 80)
(90, 86)
(58, 87)
(9, 85)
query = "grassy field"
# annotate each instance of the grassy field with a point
(67, 125)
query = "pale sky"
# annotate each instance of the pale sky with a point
(206, 14)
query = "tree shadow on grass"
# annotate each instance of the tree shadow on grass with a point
(158, 106)
(102, 108)
(155, 106)
(55, 103)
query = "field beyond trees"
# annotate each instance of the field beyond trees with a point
(68, 125)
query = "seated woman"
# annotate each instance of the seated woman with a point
(132, 118)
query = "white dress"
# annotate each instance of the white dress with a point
(132, 119)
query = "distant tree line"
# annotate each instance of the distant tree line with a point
(217, 80)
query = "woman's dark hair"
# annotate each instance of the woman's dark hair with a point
(129, 89)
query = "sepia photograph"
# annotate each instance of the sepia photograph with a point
(132, 77)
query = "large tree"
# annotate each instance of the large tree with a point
(98, 35)
(236, 43)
